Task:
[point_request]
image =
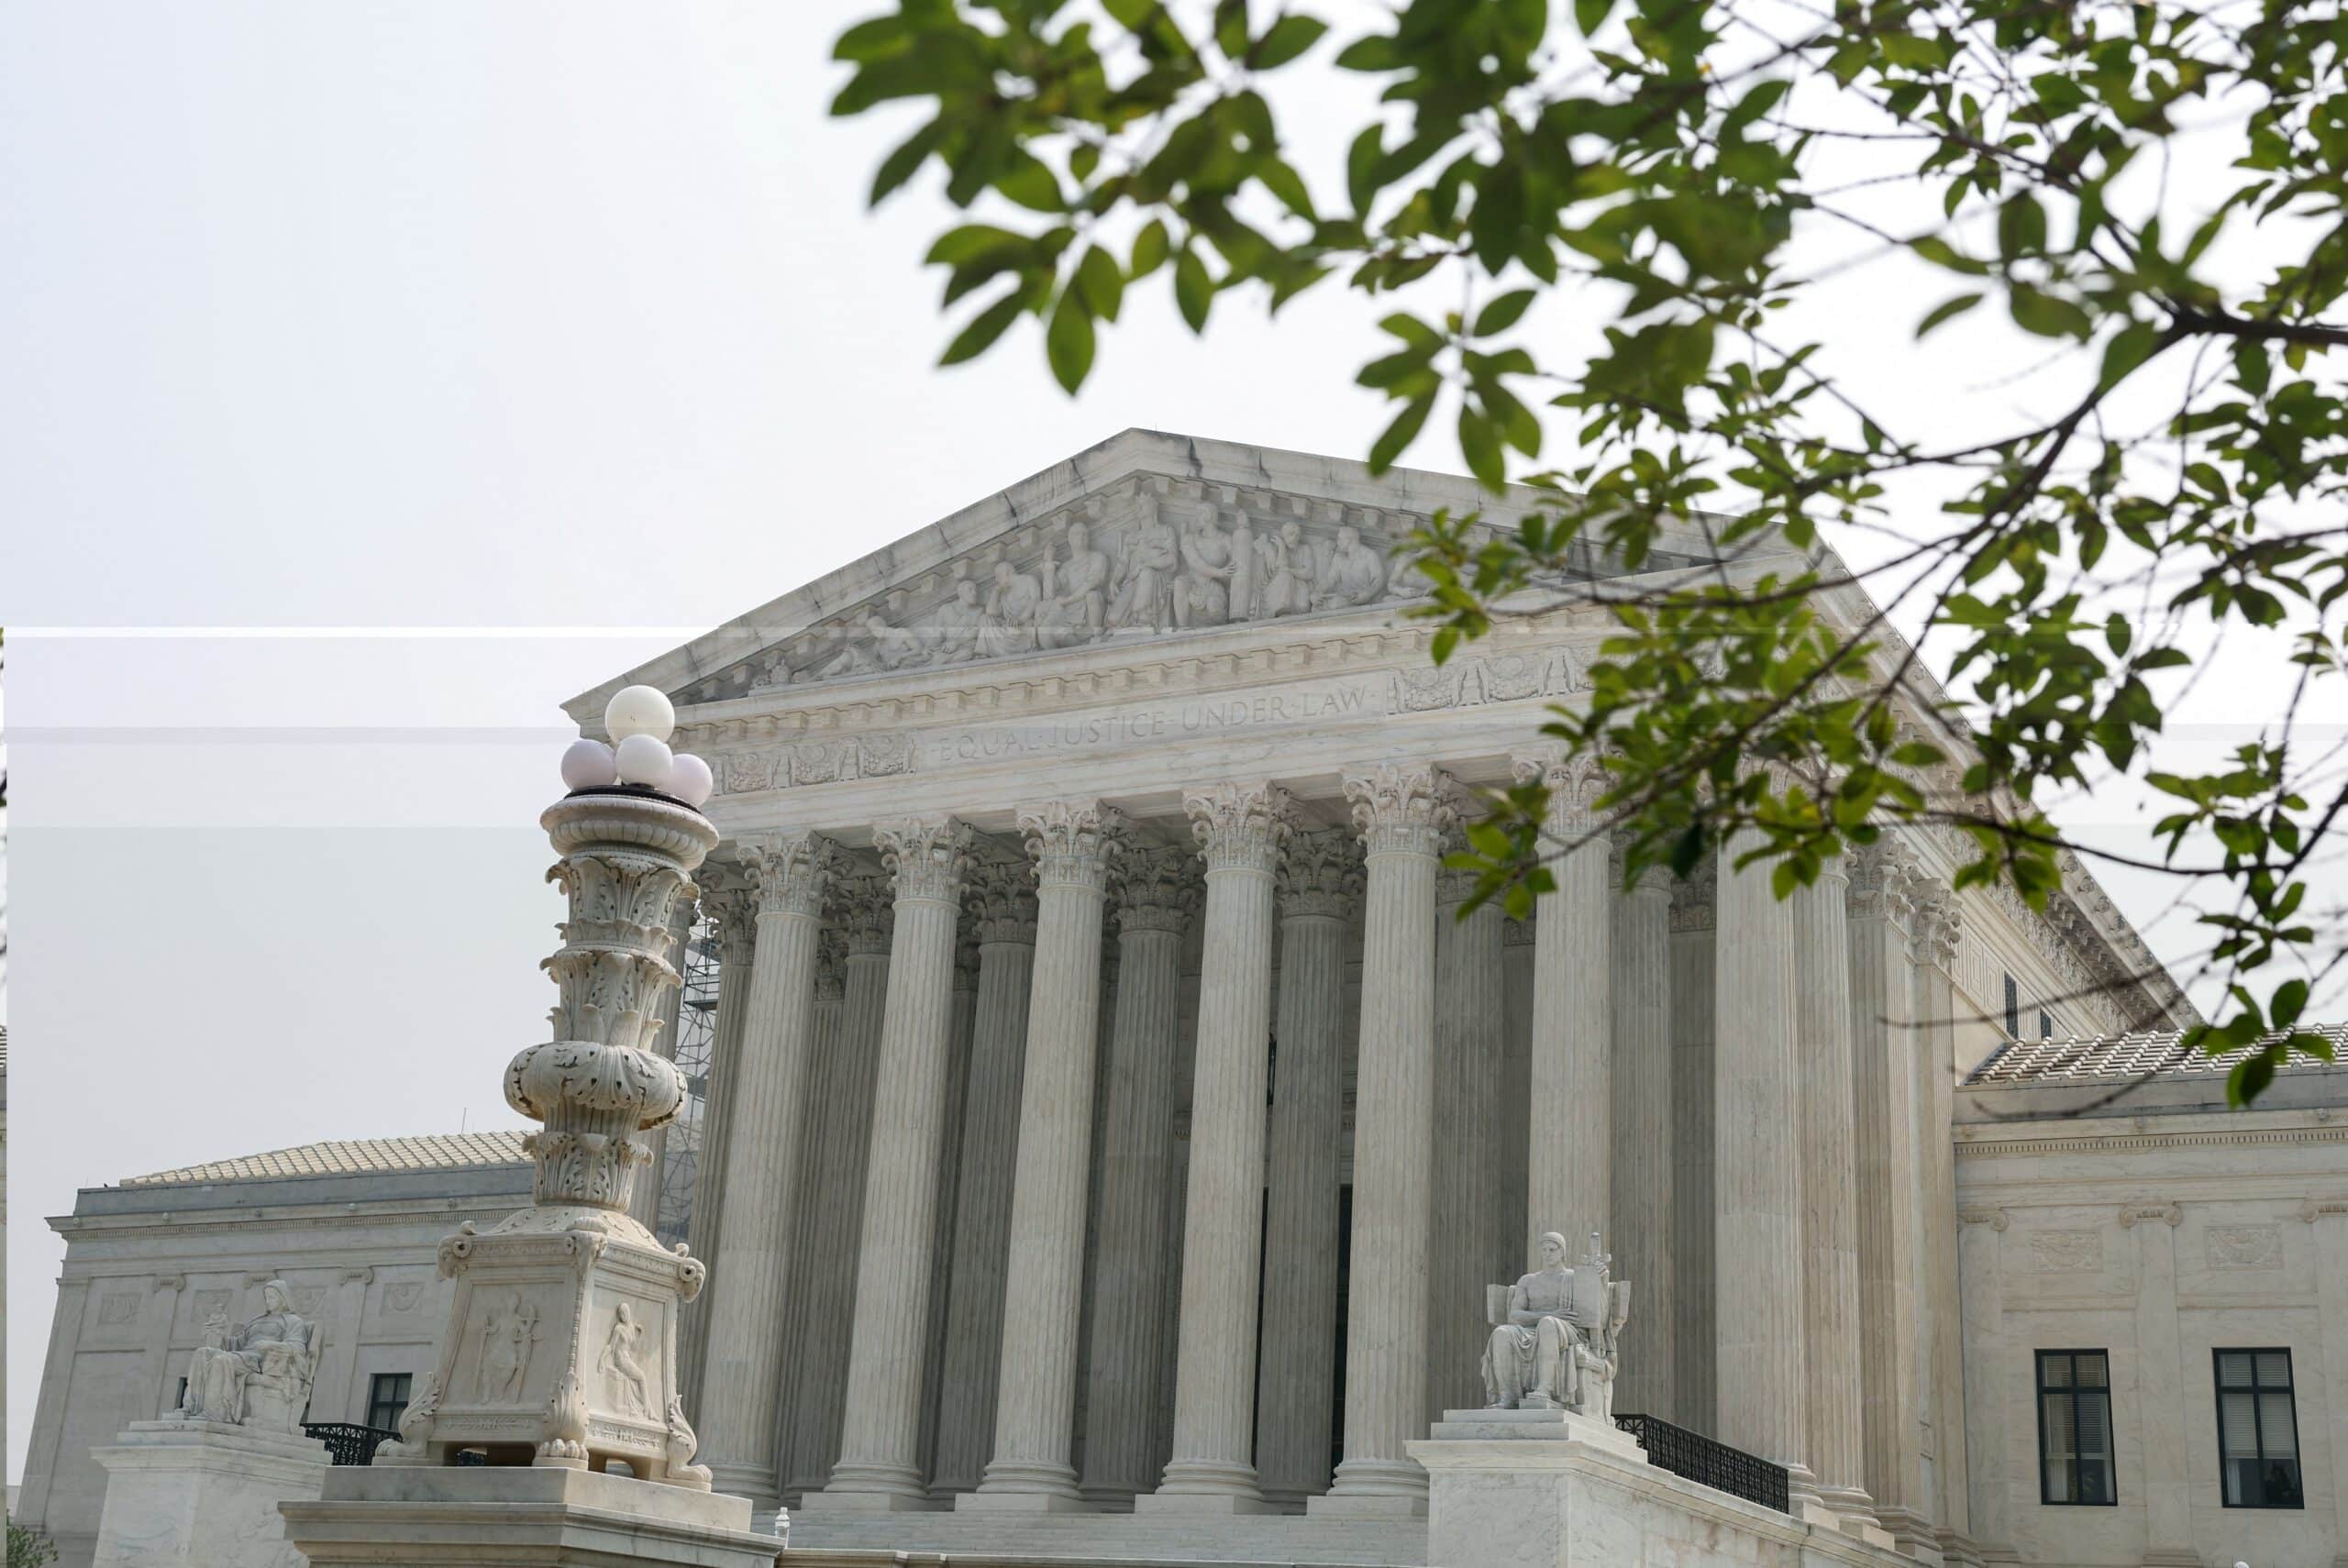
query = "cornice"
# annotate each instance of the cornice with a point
(2123, 1142)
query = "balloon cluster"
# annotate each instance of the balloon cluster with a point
(639, 719)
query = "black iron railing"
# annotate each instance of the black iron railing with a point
(347, 1442)
(1708, 1462)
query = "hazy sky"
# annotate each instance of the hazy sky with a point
(380, 375)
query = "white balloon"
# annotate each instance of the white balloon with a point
(640, 711)
(589, 765)
(643, 760)
(689, 780)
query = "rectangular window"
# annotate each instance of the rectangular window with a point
(2258, 1429)
(2046, 1026)
(2075, 1428)
(387, 1400)
(2013, 1009)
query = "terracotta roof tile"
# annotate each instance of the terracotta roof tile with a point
(2111, 1058)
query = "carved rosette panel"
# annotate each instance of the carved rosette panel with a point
(599, 1082)
(926, 860)
(1156, 890)
(1402, 810)
(1321, 874)
(1241, 826)
(862, 910)
(1072, 842)
(1000, 898)
(793, 871)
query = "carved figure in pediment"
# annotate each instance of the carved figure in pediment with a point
(1145, 595)
(894, 648)
(1284, 563)
(1202, 593)
(1353, 576)
(957, 624)
(855, 659)
(1076, 593)
(623, 1362)
(1011, 607)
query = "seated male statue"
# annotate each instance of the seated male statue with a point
(1554, 1340)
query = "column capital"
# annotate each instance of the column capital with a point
(1575, 783)
(1072, 842)
(966, 963)
(1880, 873)
(926, 857)
(1321, 874)
(861, 909)
(1241, 826)
(735, 911)
(1938, 924)
(1516, 933)
(831, 965)
(1402, 809)
(1694, 896)
(1156, 890)
(1000, 896)
(791, 870)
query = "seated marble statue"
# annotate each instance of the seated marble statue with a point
(259, 1375)
(1554, 1335)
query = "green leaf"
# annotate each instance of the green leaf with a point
(1947, 310)
(2290, 1000)
(985, 327)
(1100, 282)
(1284, 40)
(2021, 227)
(1590, 14)
(2048, 316)
(1361, 168)
(898, 166)
(1068, 342)
(1479, 444)
(1503, 313)
(1150, 250)
(2129, 349)
(1193, 289)
(1397, 436)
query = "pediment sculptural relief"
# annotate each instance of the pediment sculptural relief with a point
(1158, 557)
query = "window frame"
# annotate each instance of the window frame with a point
(2014, 1008)
(2111, 1453)
(374, 1380)
(2220, 1388)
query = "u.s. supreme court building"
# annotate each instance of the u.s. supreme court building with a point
(1111, 1132)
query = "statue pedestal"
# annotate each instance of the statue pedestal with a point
(1552, 1489)
(519, 1516)
(203, 1495)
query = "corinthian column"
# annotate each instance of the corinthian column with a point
(1002, 909)
(1156, 893)
(843, 1127)
(1573, 1024)
(1403, 813)
(1240, 828)
(1645, 1159)
(1469, 992)
(794, 1431)
(880, 1466)
(1320, 882)
(752, 1258)
(1884, 1119)
(680, 931)
(735, 911)
(949, 1177)
(1035, 1403)
(1692, 1012)
(1829, 1173)
(1757, 1282)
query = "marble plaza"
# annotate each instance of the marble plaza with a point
(1115, 1148)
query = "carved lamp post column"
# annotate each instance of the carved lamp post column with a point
(561, 1349)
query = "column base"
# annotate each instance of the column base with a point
(1855, 1515)
(1374, 1488)
(1110, 1499)
(1230, 1505)
(1026, 1487)
(871, 1489)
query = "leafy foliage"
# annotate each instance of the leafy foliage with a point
(1659, 159)
(27, 1548)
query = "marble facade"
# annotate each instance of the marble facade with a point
(1092, 719)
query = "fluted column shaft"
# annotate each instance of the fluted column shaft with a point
(1932, 950)
(1467, 1227)
(751, 1263)
(843, 1128)
(1572, 1098)
(1154, 898)
(647, 1204)
(949, 1181)
(1646, 1156)
(1401, 813)
(1002, 899)
(1693, 1008)
(1035, 1396)
(880, 1465)
(1757, 1272)
(1515, 1129)
(736, 912)
(795, 1430)
(1241, 828)
(1320, 882)
(1829, 1173)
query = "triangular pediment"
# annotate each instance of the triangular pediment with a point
(1147, 536)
